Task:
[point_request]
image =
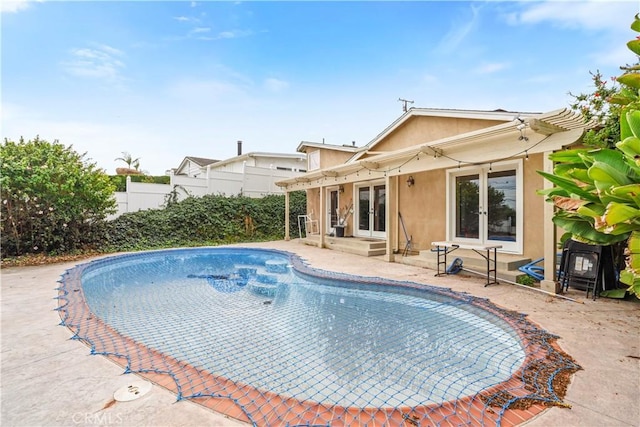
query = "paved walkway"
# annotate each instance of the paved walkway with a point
(49, 380)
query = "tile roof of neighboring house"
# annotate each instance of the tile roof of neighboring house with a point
(201, 161)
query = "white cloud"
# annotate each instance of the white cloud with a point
(275, 85)
(591, 15)
(459, 32)
(101, 62)
(490, 68)
(13, 6)
(232, 34)
(201, 30)
(182, 18)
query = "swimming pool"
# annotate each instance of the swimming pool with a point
(260, 329)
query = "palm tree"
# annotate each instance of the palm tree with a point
(129, 160)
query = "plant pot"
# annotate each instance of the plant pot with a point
(339, 230)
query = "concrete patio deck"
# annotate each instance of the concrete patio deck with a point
(49, 380)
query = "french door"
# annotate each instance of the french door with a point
(372, 205)
(333, 200)
(485, 205)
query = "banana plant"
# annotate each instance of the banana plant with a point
(597, 191)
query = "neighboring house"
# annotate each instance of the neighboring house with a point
(458, 175)
(194, 167)
(251, 174)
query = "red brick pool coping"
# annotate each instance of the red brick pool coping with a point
(264, 408)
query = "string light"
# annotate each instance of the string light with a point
(439, 153)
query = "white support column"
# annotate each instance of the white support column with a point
(391, 215)
(287, 237)
(322, 217)
(549, 283)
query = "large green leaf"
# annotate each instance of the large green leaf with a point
(614, 293)
(568, 156)
(581, 175)
(617, 213)
(619, 229)
(633, 119)
(629, 146)
(567, 168)
(593, 210)
(633, 245)
(606, 173)
(625, 130)
(630, 193)
(630, 79)
(635, 25)
(570, 186)
(584, 230)
(634, 46)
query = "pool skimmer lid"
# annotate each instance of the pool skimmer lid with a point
(132, 391)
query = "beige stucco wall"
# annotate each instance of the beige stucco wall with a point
(423, 208)
(313, 203)
(533, 207)
(419, 130)
(329, 158)
(345, 198)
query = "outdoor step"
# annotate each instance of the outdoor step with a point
(357, 247)
(473, 260)
(427, 262)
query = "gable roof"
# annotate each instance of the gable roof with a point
(495, 115)
(201, 161)
(554, 130)
(305, 145)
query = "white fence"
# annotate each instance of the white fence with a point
(254, 182)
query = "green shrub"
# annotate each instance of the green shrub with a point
(207, 220)
(526, 280)
(53, 200)
(120, 181)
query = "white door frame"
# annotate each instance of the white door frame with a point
(483, 233)
(370, 232)
(331, 210)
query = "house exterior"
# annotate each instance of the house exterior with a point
(194, 167)
(466, 176)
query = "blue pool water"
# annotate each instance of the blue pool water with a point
(248, 316)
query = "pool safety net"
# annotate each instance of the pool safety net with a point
(264, 338)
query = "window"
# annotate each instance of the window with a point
(313, 159)
(485, 205)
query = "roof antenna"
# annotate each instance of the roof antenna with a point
(404, 103)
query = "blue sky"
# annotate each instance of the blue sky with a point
(163, 80)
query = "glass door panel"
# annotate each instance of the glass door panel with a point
(501, 206)
(379, 211)
(364, 208)
(333, 206)
(467, 206)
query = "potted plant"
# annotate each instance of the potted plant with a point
(343, 217)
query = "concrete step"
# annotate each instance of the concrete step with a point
(472, 259)
(506, 269)
(352, 245)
